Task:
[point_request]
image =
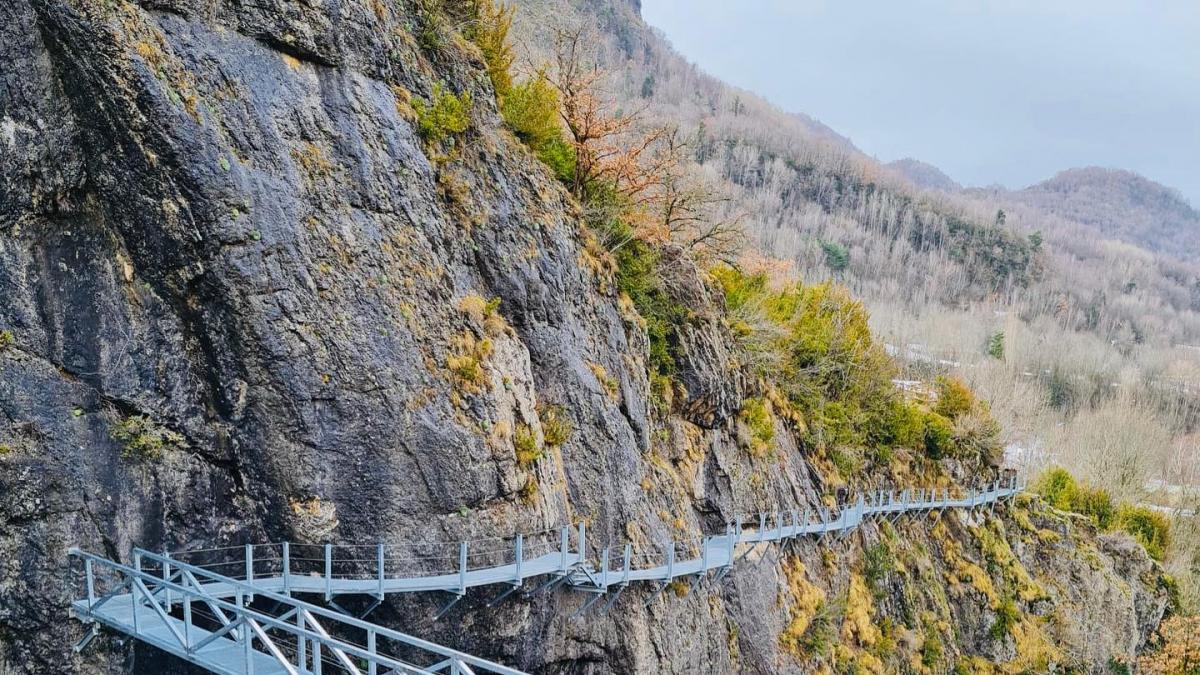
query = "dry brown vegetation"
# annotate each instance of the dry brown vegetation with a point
(1084, 347)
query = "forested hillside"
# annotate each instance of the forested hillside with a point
(1121, 205)
(1069, 335)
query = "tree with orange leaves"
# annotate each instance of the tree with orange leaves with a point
(1179, 652)
(611, 153)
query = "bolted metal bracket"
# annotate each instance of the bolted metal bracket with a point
(93, 631)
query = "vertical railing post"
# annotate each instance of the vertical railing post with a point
(187, 622)
(671, 560)
(301, 642)
(730, 543)
(316, 657)
(582, 542)
(520, 555)
(372, 665)
(379, 555)
(703, 556)
(328, 572)
(564, 534)
(762, 525)
(248, 646)
(604, 568)
(625, 565)
(133, 590)
(250, 566)
(244, 633)
(166, 577)
(133, 598)
(462, 567)
(91, 582)
(287, 568)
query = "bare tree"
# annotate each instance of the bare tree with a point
(610, 149)
(692, 212)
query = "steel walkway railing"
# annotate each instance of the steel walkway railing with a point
(183, 610)
(197, 613)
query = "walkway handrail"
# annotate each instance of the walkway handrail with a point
(176, 583)
(567, 562)
(246, 616)
(317, 610)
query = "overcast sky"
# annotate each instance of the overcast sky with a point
(990, 92)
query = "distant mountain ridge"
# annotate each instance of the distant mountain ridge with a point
(821, 130)
(1116, 203)
(1123, 205)
(924, 175)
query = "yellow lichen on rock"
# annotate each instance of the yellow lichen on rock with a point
(1035, 652)
(858, 626)
(484, 314)
(466, 362)
(963, 572)
(995, 547)
(610, 384)
(806, 600)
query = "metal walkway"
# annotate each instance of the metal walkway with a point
(234, 611)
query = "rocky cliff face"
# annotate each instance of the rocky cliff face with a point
(246, 302)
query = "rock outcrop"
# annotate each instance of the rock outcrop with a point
(248, 302)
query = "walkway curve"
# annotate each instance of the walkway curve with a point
(185, 608)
